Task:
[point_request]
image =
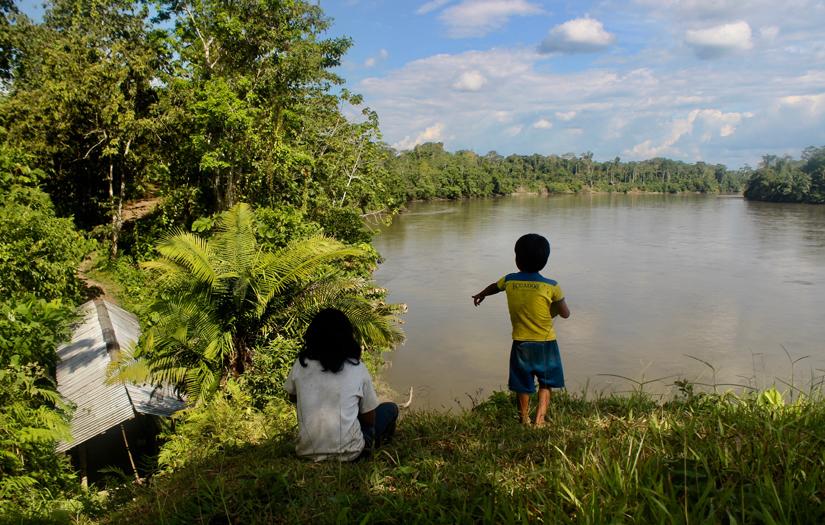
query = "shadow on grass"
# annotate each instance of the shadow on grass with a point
(706, 458)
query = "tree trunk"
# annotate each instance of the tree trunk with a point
(114, 233)
(117, 208)
(305, 196)
(219, 200)
(239, 360)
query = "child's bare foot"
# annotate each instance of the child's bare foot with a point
(539, 423)
(526, 421)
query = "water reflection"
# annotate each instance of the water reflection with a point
(651, 280)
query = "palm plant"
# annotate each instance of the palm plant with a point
(222, 297)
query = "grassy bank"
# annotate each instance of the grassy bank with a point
(704, 458)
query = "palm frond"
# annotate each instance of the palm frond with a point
(187, 253)
(127, 368)
(221, 296)
(375, 322)
(298, 262)
(234, 242)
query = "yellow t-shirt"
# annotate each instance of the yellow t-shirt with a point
(529, 296)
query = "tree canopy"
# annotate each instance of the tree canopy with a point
(784, 179)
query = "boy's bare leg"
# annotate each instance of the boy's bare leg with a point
(524, 407)
(541, 411)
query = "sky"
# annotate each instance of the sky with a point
(722, 81)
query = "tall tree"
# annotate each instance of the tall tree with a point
(248, 84)
(224, 296)
(8, 40)
(81, 102)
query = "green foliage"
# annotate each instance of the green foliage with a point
(249, 111)
(271, 363)
(39, 253)
(222, 297)
(8, 16)
(787, 180)
(277, 227)
(139, 237)
(16, 171)
(31, 329)
(429, 172)
(127, 283)
(81, 104)
(710, 458)
(815, 168)
(345, 224)
(32, 420)
(228, 422)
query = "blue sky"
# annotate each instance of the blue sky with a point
(714, 80)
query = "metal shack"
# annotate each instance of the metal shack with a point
(113, 425)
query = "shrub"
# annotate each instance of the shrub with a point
(31, 329)
(32, 420)
(39, 252)
(228, 422)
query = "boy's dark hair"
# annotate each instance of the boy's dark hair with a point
(532, 252)
(330, 339)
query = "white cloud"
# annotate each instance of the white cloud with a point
(615, 109)
(433, 133)
(713, 122)
(470, 81)
(502, 116)
(706, 9)
(813, 105)
(382, 55)
(473, 18)
(769, 33)
(542, 123)
(719, 40)
(580, 35)
(513, 130)
(432, 5)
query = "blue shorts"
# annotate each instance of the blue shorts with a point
(538, 359)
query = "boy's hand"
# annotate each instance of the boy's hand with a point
(490, 290)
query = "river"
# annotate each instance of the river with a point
(714, 289)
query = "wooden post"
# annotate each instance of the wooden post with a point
(129, 453)
(84, 471)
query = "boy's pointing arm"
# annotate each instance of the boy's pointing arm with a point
(490, 290)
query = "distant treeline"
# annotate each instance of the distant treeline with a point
(430, 172)
(784, 179)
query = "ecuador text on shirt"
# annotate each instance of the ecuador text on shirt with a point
(529, 296)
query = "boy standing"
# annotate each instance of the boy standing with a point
(533, 300)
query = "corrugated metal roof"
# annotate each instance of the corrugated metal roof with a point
(81, 375)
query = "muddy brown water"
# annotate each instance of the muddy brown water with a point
(714, 289)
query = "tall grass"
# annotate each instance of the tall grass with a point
(702, 458)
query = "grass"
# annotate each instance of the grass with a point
(706, 458)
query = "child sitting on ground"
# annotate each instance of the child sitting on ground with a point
(533, 300)
(339, 416)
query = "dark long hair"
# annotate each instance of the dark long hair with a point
(330, 339)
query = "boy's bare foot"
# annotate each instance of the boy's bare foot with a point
(539, 423)
(526, 421)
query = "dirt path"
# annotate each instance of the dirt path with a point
(138, 209)
(132, 211)
(94, 289)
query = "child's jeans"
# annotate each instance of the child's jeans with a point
(386, 415)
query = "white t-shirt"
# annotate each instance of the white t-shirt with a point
(328, 408)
